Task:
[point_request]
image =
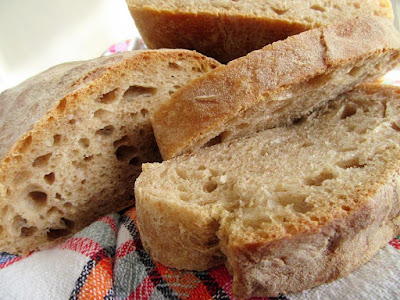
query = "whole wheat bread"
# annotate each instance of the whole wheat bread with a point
(275, 85)
(284, 207)
(226, 29)
(73, 139)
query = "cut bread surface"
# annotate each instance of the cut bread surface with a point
(283, 207)
(73, 139)
(275, 85)
(228, 29)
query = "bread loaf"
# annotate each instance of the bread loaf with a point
(275, 85)
(226, 29)
(73, 139)
(284, 207)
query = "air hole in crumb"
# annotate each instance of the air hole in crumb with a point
(348, 111)
(105, 131)
(174, 66)
(38, 198)
(395, 126)
(58, 196)
(54, 211)
(298, 202)
(83, 181)
(318, 180)
(201, 168)
(307, 144)
(351, 163)
(320, 79)
(346, 208)
(134, 161)
(125, 153)
(17, 223)
(355, 71)
(182, 173)
(66, 229)
(210, 187)
(56, 139)
(109, 97)
(121, 141)
(28, 231)
(357, 5)
(25, 144)
(42, 161)
(348, 149)
(61, 106)
(84, 142)
(214, 141)
(50, 178)
(196, 69)
(68, 205)
(280, 11)
(88, 158)
(144, 112)
(72, 122)
(139, 91)
(318, 8)
(102, 114)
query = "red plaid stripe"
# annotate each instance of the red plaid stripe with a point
(81, 245)
(125, 249)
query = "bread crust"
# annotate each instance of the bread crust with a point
(227, 30)
(322, 255)
(285, 255)
(275, 80)
(59, 102)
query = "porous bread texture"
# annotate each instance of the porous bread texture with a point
(228, 29)
(275, 85)
(284, 207)
(74, 137)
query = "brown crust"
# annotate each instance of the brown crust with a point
(330, 252)
(208, 103)
(213, 36)
(331, 246)
(227, 34)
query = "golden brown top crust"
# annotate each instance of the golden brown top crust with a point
(210, 101)
(302, 12)
(25, 105)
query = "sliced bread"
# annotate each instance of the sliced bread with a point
(226, 29)
(284, 207)
(73, 139)
(275, 85)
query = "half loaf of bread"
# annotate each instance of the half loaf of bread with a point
(275, 85)
(284, 207)
(227, 29)
(73, 139)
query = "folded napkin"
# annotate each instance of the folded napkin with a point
(106, 260)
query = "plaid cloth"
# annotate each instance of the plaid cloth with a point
(106, 260)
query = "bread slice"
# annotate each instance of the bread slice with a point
(226, 29)
(73, 139)
(276, 85)
(287, 208)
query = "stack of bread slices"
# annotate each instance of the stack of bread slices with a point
(275, 164)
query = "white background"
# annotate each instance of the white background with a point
(37, 34)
